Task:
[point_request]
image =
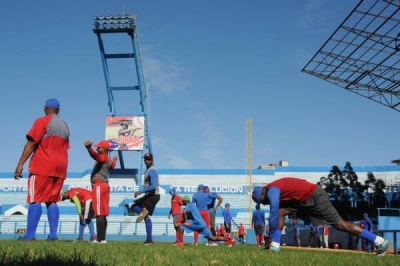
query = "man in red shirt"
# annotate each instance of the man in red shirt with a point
(306, 200)
(100, 186)
(48, 144)
(222, 231)
(176, 204)
(241, 233)
(82, 198)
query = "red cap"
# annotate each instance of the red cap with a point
(103, 144)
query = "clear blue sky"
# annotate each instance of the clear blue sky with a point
(210, 65)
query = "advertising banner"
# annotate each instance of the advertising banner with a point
(125, 132)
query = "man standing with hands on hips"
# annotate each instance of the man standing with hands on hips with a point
(48, 144)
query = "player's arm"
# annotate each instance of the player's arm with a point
(77, 204)
(220, 199)
(29, 148)
(114, 162)
(273, 195)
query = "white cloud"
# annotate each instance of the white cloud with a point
(214, 140)
(165, 75)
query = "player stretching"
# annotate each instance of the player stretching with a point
(193, 222)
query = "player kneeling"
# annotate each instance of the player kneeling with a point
(192, 221)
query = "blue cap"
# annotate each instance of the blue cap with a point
(227, 204)
(52, 103)
(256, 194)
(365, 214)
(201, 186)
(172, 191)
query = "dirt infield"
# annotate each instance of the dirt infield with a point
(390, 251)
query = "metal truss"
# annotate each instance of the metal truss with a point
(124, 24)
(362, 55)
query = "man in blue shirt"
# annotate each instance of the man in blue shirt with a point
(193, 222)
(258, 223)
(201, 199)
(146, 204)
(212, 209)
(227, 218)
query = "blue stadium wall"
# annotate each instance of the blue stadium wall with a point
(231, 184)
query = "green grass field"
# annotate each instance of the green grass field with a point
(134, 253)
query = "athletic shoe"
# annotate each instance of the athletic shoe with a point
(142, 215)
(213, 244)
(78, 240)
(103, 242)
(382, 248)
(92, 239)
(148, 243)
(274, 249)
(231, 242)
(52, 239)
(207, 244)
(195, 244)
(178, 244)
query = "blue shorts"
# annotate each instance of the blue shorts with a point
(202, 229)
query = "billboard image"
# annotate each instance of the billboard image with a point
(125, 132)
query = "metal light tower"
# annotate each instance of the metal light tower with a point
(125, 24)
(249, 160)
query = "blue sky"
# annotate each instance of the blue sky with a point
(210, 65)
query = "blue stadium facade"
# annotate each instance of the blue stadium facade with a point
(232, 184)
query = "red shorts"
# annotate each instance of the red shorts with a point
(206, 217)
(101, 199)
(42, 188)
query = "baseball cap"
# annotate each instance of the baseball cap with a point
(148, 156)
(256, 194)
(103, 144)
(172, 191)
(200, 186)
(63, 196)
(365, 214)
(227, 204)
(52, 103)
(186, 197)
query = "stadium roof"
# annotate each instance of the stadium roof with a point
(362, 55)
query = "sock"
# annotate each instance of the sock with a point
(277, 236)
(137, 209)
(81, 229)
(181, 237)
(365, 234)
(91, 229)
(101, 224)
(196, 237)
(53, 216)
(34, 213)
(177, 237)
(149, 229)
(258, 237)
